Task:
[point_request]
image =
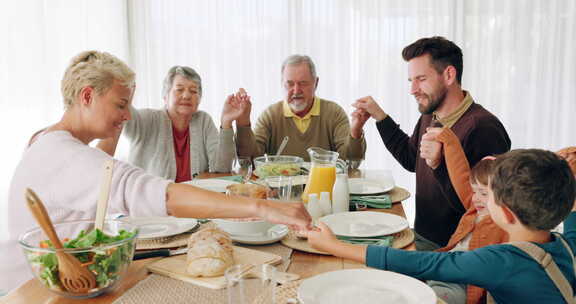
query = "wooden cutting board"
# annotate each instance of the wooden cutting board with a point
(175, 267)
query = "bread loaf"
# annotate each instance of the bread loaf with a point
(210, 253)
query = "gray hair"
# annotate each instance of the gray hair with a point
(298, 59)
(95, 69)
(184, 71)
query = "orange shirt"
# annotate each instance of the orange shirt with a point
(485, 232)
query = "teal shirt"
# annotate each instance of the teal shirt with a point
(509, 274)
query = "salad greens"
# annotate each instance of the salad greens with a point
(277, 169)
(105, 262)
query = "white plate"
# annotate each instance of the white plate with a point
(364, 286)
(361, 186)
(273, 235)
(157, 227)
(364, 223)
(212, 184)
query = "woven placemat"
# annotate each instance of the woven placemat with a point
(398, 194)
(401, 240)
(159, 289)
(288, 293)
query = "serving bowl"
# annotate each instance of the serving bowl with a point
(107, 255)
(244, 227)
(277, 165)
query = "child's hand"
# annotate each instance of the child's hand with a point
(321, 237)
(430, 148)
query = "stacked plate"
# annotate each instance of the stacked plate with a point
(364, 286)
(212, 184)
(157, 227)
(364, 224)
(363, 186)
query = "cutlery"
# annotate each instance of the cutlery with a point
(73, 276)
(282, 145)
(159, 253)
(102, 206)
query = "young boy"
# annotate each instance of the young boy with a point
(531, 191)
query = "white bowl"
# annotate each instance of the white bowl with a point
(244, 227)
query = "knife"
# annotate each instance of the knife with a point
(159, 253)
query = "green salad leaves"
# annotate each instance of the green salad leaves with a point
(106, 262)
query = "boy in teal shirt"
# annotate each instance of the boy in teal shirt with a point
(531, 192)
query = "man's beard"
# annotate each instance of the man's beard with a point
(298, 107)
(433, 103)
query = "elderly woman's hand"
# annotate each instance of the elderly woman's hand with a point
(235, 108)
(294, 215)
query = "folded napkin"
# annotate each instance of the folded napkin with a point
(373, 201)
(385, 240)
(234, 178)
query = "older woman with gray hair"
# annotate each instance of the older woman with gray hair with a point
(180, 140)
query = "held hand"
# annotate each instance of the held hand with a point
(294, 215)
(322, 238)
(235, 108)
(245, 106)
(359, 118)
(431, 151)
(369, 105)
(432, 133)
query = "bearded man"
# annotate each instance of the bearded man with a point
(435, 72)
(307, 120)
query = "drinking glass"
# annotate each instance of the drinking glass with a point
(285, 188)
(251, 284)
(243, 166)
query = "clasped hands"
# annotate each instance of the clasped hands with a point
(237, 108)
(430, 148)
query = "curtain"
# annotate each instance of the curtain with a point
(519, 60)
(38, 39)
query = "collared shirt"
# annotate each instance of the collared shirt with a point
(453, 117)
(302, 123)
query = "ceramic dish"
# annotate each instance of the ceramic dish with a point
(364, 223)
(364, 286)
(244, 227)
(273, 235)
(157, 227)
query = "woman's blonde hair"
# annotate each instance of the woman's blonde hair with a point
(94, 69)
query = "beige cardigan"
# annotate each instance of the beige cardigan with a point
(152, 144)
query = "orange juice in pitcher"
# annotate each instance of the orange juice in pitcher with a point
(322, 172)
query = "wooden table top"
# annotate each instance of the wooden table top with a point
(304, 264)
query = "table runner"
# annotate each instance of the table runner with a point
(159, 289)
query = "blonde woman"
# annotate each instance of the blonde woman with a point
(65, 172)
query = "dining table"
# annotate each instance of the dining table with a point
(304, 264)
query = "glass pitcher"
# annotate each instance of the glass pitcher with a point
(324, 165)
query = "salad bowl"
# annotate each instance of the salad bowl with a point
(277, 166)
(106, 253)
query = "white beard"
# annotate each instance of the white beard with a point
(298, 106)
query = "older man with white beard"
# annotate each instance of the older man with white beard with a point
(306, 119)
